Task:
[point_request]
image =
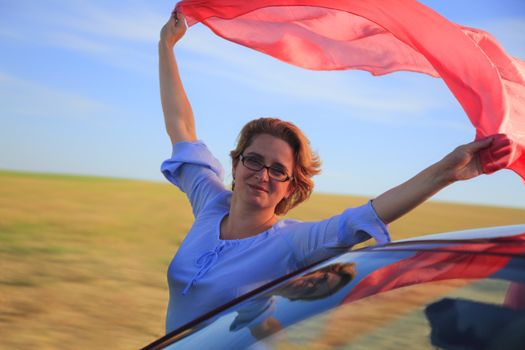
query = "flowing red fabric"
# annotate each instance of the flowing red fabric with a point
(384, 36)
(427, 266)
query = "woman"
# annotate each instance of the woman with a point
(237, 242)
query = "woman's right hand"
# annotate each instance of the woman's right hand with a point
(174, 29)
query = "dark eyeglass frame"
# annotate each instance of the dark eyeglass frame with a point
(262, 166)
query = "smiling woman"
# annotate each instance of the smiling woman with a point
(237, 242)
(304, 162)
(256, 187)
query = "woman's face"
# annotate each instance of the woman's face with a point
(257, 188)
(319, 283)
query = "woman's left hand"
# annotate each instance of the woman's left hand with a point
(464, 162)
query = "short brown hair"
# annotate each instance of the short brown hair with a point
(306, 161)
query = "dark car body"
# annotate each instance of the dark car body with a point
(459, 290)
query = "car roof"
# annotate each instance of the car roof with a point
(478, 233)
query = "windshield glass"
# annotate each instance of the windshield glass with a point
(366, 297)
(459, 314)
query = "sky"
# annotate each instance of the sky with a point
(79, 95)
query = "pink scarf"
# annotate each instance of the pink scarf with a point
(384, 36)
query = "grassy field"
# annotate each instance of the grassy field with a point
(83, 260)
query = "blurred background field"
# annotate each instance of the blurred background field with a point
(83, 259)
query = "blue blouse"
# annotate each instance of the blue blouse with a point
(207, 271)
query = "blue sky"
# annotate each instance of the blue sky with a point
(79, 95)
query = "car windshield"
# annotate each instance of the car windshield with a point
(382, 299)
(458, 314)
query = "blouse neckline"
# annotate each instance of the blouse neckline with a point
(241, 240)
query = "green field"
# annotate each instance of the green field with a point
(84, 259)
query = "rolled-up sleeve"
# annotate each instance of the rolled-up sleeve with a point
(195, 171)
(363, 220)
(314, 241)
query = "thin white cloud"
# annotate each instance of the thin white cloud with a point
(79, 43)
(123, 36)
(23, 98)
(133, 21)
(122, 57)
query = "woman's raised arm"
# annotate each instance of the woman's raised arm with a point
(178, 115)
(461, 164)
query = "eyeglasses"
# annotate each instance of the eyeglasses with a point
(276, 172)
